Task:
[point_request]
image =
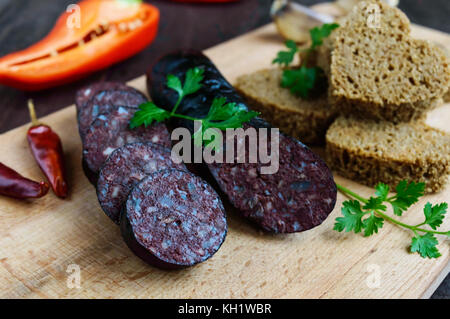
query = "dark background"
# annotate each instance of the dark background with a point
(199, 26)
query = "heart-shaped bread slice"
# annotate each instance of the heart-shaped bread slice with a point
(377, 70)
(372, 151)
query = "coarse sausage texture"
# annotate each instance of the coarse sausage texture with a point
(298, 197)
(84, 94)
(111, 130)
(168, 217)
(173, 219)
(106, 101)
(126, 167)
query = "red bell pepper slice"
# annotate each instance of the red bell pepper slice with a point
(109, 31)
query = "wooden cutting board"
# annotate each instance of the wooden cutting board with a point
(43, 241)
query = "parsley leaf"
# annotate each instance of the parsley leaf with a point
(304, 79)
(434, 215)
(147, 113)
(221, 115)
(192, 82)
(372, 224)
(375, 203)
(424, 241)
(286, 57)
(174, 83)
(235, 121)
(351, 210)
(220, 110)
(407, 194)
(425, 245)
(319, 33)
(299, 81)
(224, 115)
(381, 191)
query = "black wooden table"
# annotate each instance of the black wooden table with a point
(23, 22)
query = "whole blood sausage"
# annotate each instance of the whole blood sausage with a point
(106, 101)
(111, 130)
(124, 168)
(299, 196)
(173, 219)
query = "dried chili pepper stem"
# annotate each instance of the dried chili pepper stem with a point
(12, 184)
(47, 149)
(31, 109)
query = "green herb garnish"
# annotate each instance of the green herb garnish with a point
(303, 80)
(319, 33)
(224, 115)
(299, 81)
(221, 115)
(368, 215)
(286, 57)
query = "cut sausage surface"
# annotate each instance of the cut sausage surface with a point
(173, 219)
(106, 101)
(126, 167)
(86, 93)
(298, 197)
(111, 130)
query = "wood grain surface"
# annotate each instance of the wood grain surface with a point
(40, 240)
(198, 26)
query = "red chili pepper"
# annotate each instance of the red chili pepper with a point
(47, 150)
(93, 36)
(13, 184)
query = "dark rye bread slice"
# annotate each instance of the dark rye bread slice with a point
(381, 72)
(393, 19)
(304, 119)
(370, 151)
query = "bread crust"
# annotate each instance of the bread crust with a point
(307, 120)
(382, 73)
(388, 153)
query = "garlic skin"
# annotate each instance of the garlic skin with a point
(294, 21)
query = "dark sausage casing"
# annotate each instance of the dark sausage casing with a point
(298, 197)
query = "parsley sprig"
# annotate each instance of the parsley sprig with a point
(221, 115)
(303, 80)
(286, 57)
(319, 33)
(368, 215)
